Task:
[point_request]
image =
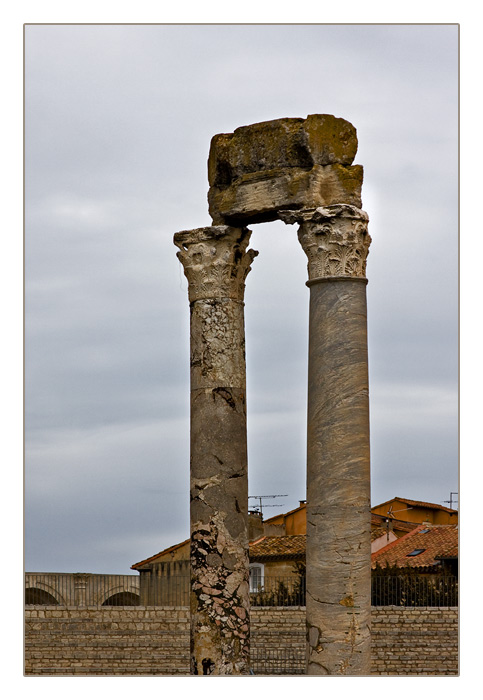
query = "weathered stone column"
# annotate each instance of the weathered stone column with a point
(336, 242)
(216, 263)
(80, 585)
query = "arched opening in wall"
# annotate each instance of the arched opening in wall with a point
(123, 598)
(276, 325)
(36, 596)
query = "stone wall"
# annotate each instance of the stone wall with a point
(277, 641)
(152, 641)
(106, 641)
(414, 641)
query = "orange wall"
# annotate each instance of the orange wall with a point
(416, 514)
(295, 523)
(180, 554)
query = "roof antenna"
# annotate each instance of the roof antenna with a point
(269, 505)
(452, 493)
(391, 512)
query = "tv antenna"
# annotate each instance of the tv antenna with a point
(268, 505)
(391, 512)
(452, 493)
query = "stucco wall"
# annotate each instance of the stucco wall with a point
(155, 641)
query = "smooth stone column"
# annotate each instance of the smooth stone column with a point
(338, 609)
(216, 263)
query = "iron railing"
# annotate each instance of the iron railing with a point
(278, 591)
(433, 591)
(165, 590)
(115, 590)
(278, 662)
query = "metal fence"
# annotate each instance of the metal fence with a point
(123, 591)
(159, 590)
(278, 662)
(269, 591)
(283, 591)
(433, 591)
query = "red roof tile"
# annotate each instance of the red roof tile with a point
(434, 541)
(285, 546)
(378, 532)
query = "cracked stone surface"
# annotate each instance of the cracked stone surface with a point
(216, 262)
(320, 139)
(262, 169)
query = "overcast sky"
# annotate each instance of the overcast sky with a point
(117, 131)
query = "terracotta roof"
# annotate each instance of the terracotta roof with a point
(378, 532)
(418, 504)
(448, 550)
(294, 545)
(273, 546)
(377, 520)
(434, 541)
(173, 548)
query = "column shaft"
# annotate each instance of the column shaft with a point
(338, 601)
(338, 481)
(216, 264)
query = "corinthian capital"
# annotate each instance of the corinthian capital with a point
(335, 240)
(215, 261)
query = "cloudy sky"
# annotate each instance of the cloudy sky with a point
(117, 131)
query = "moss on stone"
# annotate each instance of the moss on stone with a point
(320, 139)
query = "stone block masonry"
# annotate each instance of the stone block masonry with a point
(92, 641)
(265, 168)
(153, 641)
(414, 641)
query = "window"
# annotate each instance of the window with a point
(256, 577)
(415, 552)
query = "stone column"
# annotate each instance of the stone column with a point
(216, 263)
(336, 242)
(80, 586)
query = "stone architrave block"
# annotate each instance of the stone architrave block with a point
(292, 163)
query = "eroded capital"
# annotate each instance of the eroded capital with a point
(335, 240)
(215, 261)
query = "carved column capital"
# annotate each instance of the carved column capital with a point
(335, 240)
(215, 261)
(80, 586)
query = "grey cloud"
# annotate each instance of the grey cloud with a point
(118, 125)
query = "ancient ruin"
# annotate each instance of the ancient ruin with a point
(299, 171)
(216, 264)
